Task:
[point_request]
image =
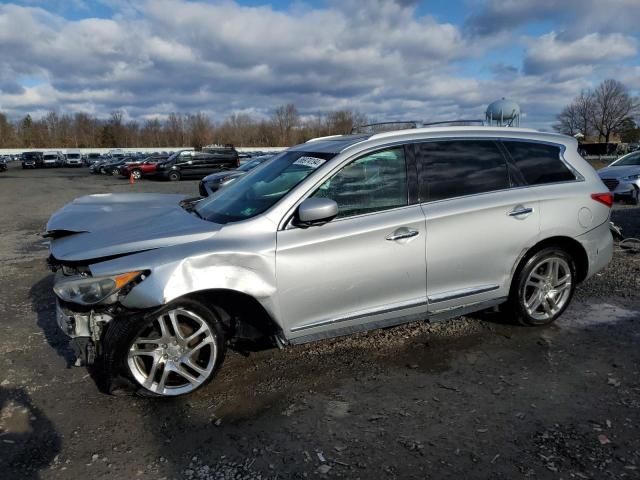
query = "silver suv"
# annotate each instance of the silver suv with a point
(338, 235)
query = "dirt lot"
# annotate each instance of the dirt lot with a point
(467, 398)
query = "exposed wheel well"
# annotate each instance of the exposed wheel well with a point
(571, 246)
(243, 316)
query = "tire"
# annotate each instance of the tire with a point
(174, 176)
(115, 172)
(122, 338)
(635, 197)
(537, 284)
(102, 170)
(136, 174)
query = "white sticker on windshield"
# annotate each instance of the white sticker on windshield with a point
(311, 162)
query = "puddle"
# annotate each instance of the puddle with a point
(597, 314)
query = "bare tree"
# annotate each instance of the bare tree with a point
(344, 121)
(200, 130)
(285, 119)
(612, 104)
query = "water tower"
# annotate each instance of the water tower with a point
(503, 113)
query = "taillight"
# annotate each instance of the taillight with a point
(604, 198)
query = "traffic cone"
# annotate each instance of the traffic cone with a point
(131, 179)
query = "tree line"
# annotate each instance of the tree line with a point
(598, 114)
(80, 130)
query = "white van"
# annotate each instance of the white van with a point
(73, 159)
(52, 158)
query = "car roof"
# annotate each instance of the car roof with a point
(339, 143)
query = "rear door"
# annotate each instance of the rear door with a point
(478, 224)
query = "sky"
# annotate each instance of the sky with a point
(390, 59)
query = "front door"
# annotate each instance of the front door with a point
(365, 266)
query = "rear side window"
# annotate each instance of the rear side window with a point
(456, 168)
(538, 163)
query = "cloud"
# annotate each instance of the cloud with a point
(389, 60)
(552, 53)
(580, 16)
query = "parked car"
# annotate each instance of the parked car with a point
(91, 158)
(101, 167)
(113, 168)
(138, 169)
(52, 159)
(3, 164)
(73, 158)
(622, 177)
(333, 236)
(32, 160)
(197, 165)
(212, 183)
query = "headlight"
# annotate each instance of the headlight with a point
(92, 290)
(631, 178)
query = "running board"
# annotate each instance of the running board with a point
(392, 322)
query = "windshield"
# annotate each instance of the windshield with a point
(73, 155)
(50, 157)
(262, 188)
(631, 159)
(251, 164)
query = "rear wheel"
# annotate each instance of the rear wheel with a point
(170, 353)
(136, 174)
(174, 176)
(543, 287)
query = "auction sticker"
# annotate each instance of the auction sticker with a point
(311, 162)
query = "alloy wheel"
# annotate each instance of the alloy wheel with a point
(175, 354)
(548, 288)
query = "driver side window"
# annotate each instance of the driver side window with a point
(372, 183)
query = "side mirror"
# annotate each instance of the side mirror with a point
(315, 212)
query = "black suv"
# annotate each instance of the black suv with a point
(185, 164)
(32, 160)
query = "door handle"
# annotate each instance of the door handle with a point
(401, 233)
(520, 210)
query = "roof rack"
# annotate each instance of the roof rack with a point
(413, 123)
(418, 124)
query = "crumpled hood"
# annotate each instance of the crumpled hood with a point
(117, 224)
(618, 172)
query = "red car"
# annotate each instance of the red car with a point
(138, 170)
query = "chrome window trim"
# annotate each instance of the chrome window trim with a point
(463, 292)
(285, 221)
(416, 302)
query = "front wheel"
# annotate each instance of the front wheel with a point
(170, 353)
(543, 287)
(635, 196)
(136, 174)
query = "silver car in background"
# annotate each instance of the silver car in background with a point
(334, 236)
(622, 178)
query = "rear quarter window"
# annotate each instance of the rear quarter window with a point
(538, 163)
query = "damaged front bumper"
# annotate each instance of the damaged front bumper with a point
(84, 329)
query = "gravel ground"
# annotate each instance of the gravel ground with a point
(473, 397)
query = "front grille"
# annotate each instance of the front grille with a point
(611, 183)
